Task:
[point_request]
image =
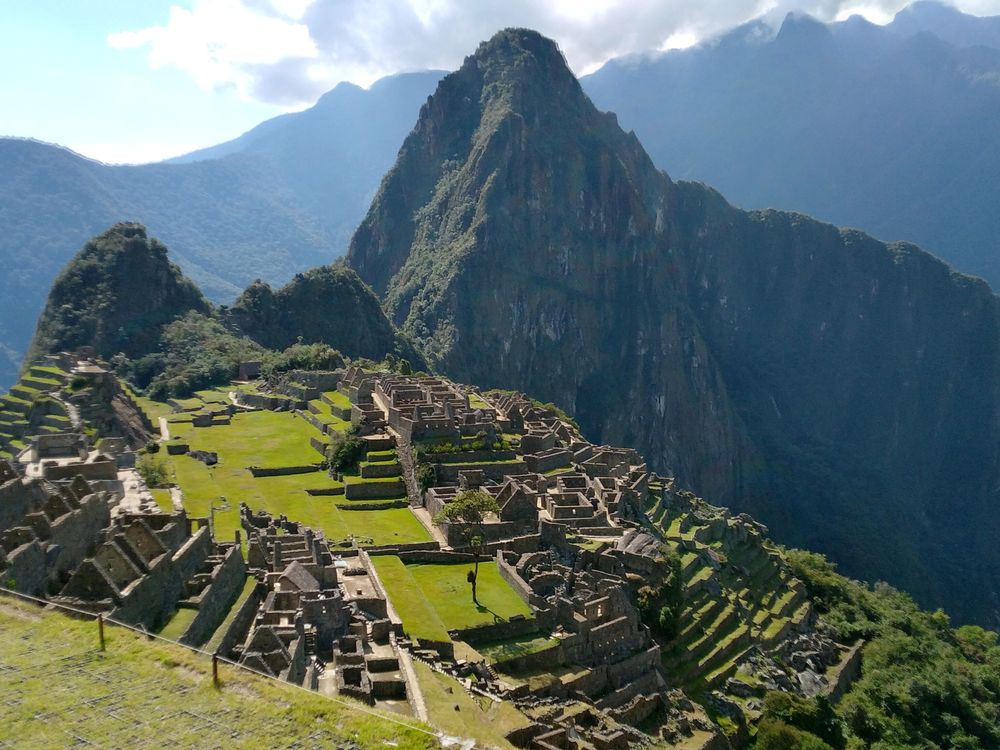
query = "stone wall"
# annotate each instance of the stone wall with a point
(25, 571)
(321, 380)
(497, 471)
(492, 532)
(469, 457)
(282, 471)
(509, 574)
(548, 461)
(438, 557)
(270, 402)
(149, 600)
(547, 659)
(374, 490)
(95, 470)
(395, 549)
(385, 470)
(191, 556)
(238, 628)
(380, 505)
(15, 500)
(497, 631)
(846, 672)
(76, 533)
(217, 598)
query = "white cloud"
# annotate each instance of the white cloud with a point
(219, 42)
(289, 52)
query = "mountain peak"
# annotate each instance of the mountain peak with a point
(512, 46)
(514, 105)
(116, 295)
(517, 60)
(801, 28)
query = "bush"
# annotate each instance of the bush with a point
(814, 716)
(153, 472)
(425, 476)
(345, 452)
(774, 734)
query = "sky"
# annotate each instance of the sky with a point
(130, 82)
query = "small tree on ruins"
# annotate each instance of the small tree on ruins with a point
(470, 508)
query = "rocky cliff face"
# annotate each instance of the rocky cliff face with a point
(115, 295)
(521, 238)
(842, 390)
(331, 305)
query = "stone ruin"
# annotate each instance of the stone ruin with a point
(46, 529)
(322, 622)
(144, 565)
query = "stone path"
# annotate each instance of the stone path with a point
(432, 528)
(177, 497)
(164, 429)
(136, 497)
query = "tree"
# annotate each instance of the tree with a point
(470, 508)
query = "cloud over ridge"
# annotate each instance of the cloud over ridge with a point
(288, 52)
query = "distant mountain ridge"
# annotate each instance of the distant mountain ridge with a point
(891, 129)
(284, 198)
(121, 294)
(835, 387)
(904, 146)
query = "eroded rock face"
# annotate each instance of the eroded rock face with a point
(843, 391)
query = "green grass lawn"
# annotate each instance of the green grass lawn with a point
(433, 599)
(163, 499)
(46, 369)
(327, 417)
(478, 402)
(62, 692)
(259, 438)
(338, 399)
(275, 439)
(511, 649)
(178, 624)
(485, 720)
(153, 409)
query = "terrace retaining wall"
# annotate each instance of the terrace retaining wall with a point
(497, 631)
(217, 598)
(374, 490)
(240, 625)
(282, 471)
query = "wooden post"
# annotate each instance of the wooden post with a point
(100, 630)
(215, 670)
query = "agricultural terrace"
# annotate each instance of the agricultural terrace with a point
(276, 440)
(433, 599)
(61, 691)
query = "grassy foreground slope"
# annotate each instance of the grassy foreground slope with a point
(61, 691)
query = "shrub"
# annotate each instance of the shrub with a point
(345, 452)
(153, 472)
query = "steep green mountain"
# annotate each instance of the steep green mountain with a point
(330, 305)
(887, 128)
(282, 198)
(842, 390)
(117, 294)
(121, 295)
